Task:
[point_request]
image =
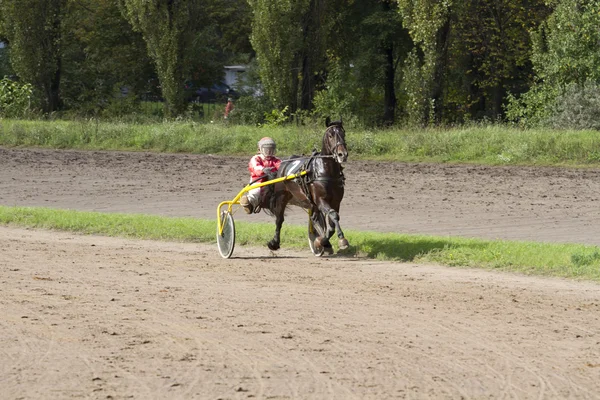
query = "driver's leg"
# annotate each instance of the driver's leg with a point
(250, 200)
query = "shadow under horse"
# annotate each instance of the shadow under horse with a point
(320, 191)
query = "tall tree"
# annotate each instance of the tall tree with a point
(367, 47)
(169, 28)
(428, 22)
(383, 26)
(34, 30)
(491, 49)
(224, 39)
(101, 55)
(287, 36)
(565, 54)
(565, 48)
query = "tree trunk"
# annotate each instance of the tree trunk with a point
(441, 64)
(389, 99)
(307, 90)
(53, 97)
(53, 93)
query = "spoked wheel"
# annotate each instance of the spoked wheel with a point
(226, 240)
(312, 235)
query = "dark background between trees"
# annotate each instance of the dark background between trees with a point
(378, 62)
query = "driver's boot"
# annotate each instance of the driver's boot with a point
(245, 203)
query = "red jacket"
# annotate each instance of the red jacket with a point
(258, 162)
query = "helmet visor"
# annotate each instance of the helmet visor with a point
(267, 151)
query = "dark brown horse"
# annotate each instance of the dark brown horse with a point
(320, 191)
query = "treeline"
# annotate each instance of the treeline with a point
(378, 62)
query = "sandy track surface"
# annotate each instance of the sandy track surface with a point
(95, 317)
(109, 318)
(540, 204)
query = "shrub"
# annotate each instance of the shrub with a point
(250, 110)
(578, 107)
(15, 98)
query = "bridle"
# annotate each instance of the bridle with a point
(339, 142)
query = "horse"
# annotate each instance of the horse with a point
(320, 191)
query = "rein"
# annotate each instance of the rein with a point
(307, 157)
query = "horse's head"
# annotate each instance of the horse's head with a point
(334, 141)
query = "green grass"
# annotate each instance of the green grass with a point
(562, 260)
(492, 144)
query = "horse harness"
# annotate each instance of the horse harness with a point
(305, 180)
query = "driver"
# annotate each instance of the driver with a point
(261, 164)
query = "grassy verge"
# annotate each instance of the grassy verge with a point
(563, 260)
(493, 144)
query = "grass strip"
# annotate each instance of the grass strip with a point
(548, 259)
(485, 144)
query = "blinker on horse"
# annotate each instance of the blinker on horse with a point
(320, 191)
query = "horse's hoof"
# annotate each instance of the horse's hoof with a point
(343, 244)
(328, 250)
(318, 245)
(273, 246)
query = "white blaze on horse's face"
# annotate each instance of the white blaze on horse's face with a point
(340, 152)
(334, 142)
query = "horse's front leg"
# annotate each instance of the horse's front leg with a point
(322, 242)
(275, 242)
(334, 217)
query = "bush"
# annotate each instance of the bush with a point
(250, 110)
(15, 98)
(578, 107)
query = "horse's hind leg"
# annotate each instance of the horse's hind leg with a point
(279, 211)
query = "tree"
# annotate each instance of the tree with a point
(169, 28)
(490, 54)
(101, 55)
(366, 47)
(224, 39)
(34, 31)
(565, 53)
(288, 38)
(384, 27)
(428, 23)
(565, 48)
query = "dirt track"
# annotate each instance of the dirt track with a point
(540, 204)
(97, 317)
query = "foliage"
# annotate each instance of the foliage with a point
(490, 54)
(565, 47)
(532, 107)
(578, 107)
(468, 56)
(277, 42)
(338, 97)
(250, 110)
(104, 59)
(34, 30)
(276, 117)
(421, 62)
(565, 52)
(15, 98)
(428, 23)
(232, 19)
(168, 28)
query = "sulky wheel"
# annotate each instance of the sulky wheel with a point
(312, 235)
(226, 240)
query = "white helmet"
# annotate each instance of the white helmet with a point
(266, 147)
